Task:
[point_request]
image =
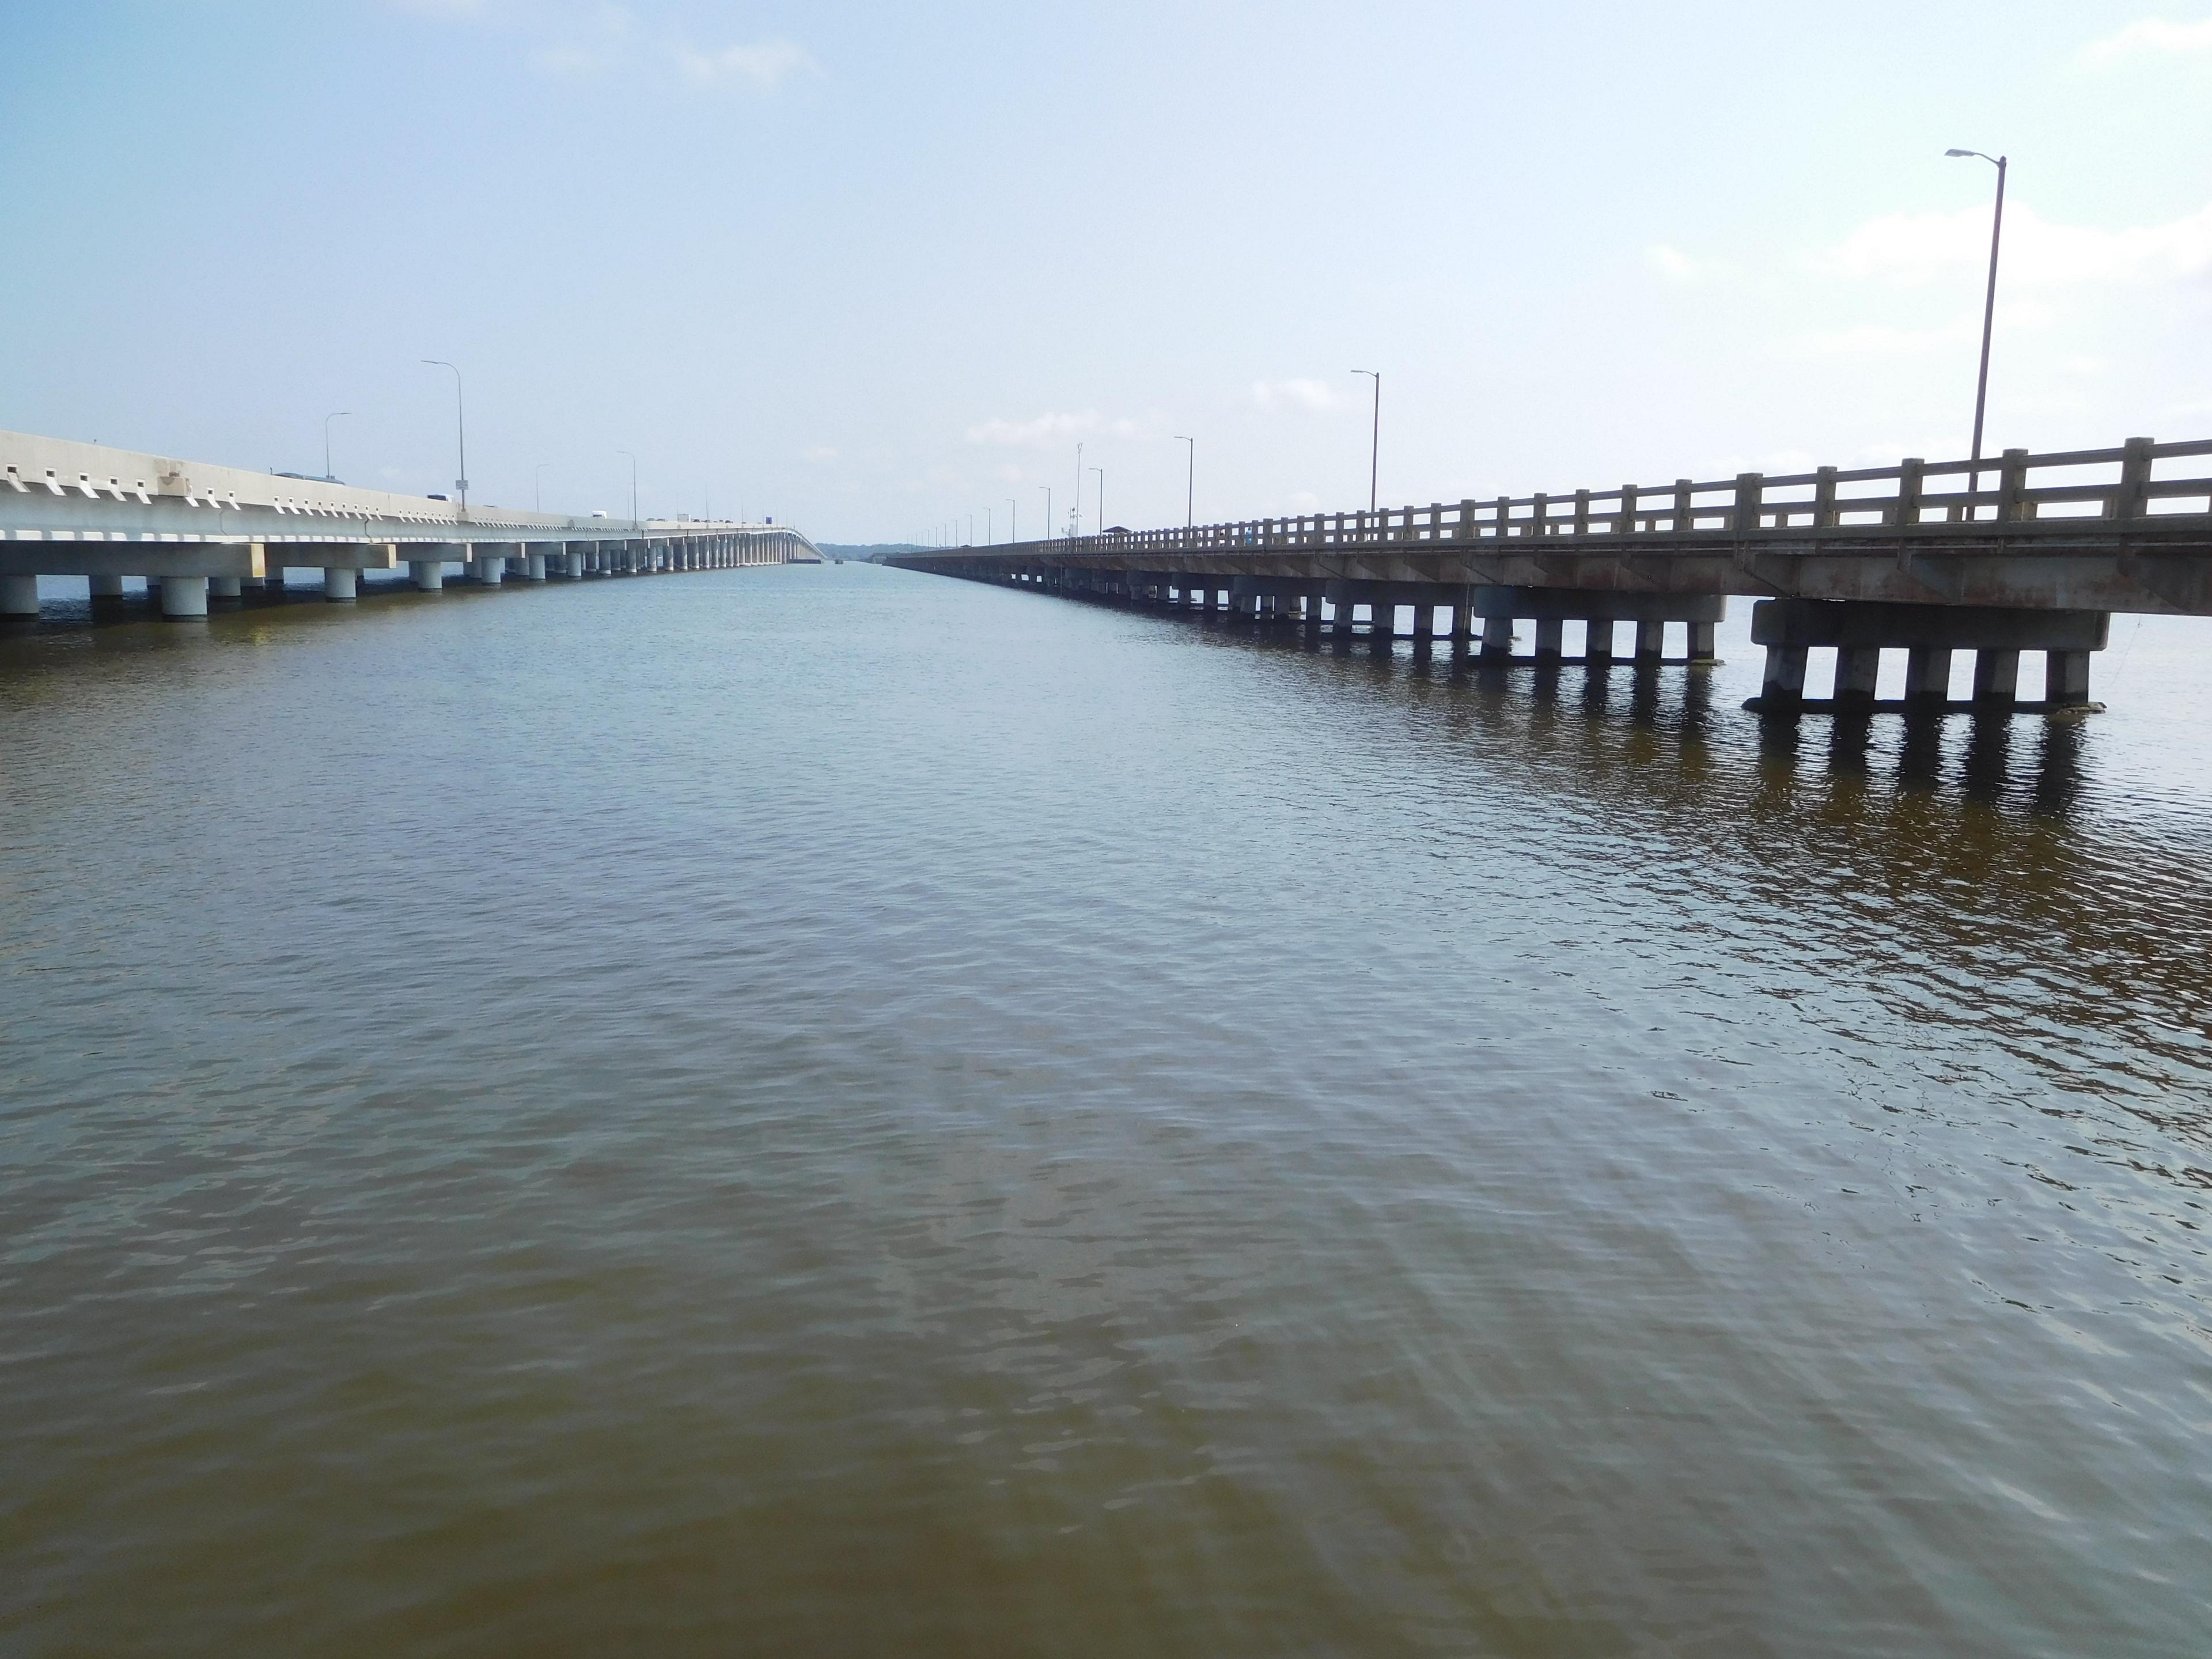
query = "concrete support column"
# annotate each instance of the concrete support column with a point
(1703, 645)
(340, 584)
(428, 574)
(490, 570)
(272, 577)
(1551, 635)
(225, 587)
(1785, 683)
(1597, 645)
(154, 592)
(18, 596)
(534, 568)
(1462, 625)
(2065, 678)
(1651, 646)
(107, 587)
(1996, 676)
(575, 566)
(1857, 669)
(184, 596)
(1497, 637)
(1927, 674)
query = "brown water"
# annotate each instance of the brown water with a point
(837, 1112)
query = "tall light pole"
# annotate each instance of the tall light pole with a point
(1189, 479)
(1079, 489)
(1375, 444)
(461, 428)
(1013, 522)
(990, 530)
(1989, 305)
(537, 487)
(1048, 510)
(335, 414)
(1101, 471)
(634, 522)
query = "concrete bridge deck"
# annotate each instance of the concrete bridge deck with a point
(2019, 553)
(195, 530)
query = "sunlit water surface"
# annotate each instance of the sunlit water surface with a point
(838, 1112)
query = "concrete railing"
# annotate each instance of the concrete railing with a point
(2133, 483)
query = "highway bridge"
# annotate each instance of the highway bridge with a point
(195, 531)
(2021, 553)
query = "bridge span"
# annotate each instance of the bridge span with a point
(195, 531)
(2021, 553)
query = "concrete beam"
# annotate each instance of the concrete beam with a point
(1930, 627)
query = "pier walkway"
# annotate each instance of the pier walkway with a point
(2019, 553)
(196, 531)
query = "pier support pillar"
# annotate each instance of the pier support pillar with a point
(183, 596)
(2066, 678)
(1597, 645)
(1651, 646)
(18, 596)
(1702, 641)
(1496, 637)
(1931, 634)
(533, 567)
(340, 584)
(226, 587)
(1927, 674)
(1550, 632)
(428, 575)
(1784, 684)
(575, 566)
(1996, 678)
(1857, 669)
(105, 587)
(489, 571)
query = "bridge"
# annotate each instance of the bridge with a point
(195, 531)
(2021, 553)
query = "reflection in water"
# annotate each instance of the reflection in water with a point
(839, 1112)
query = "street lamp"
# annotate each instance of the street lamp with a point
(1375, 448)
(1189, 478)
(1013, 522)
(1101, 471)
(1989, 304)
(334, 415)
(990, 530)
(1048, 510)
(460, 427)
(537, 487)
(634, 520)
(1079, 489)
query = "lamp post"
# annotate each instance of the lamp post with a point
(1101, 471)
(1078, 490)
(1013, 522)
(1375, 444)
(634, 523)
(1189, 478)
(1988, 306)
(537, 487)
(336, 414)
(1048, 510)
(461, 428)
(990, 530)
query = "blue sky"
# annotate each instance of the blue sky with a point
(873, 269)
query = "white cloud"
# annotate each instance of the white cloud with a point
(1312, 395)
(1670, 263)
(1051, 431)
(762, 65)
(2153, 36)
(1908, 250)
